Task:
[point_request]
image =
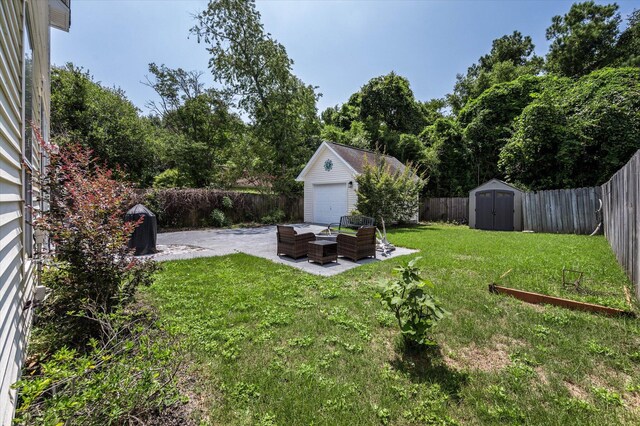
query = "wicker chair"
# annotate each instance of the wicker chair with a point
(292, 244)
(359, 246)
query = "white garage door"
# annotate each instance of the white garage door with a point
(330, 202)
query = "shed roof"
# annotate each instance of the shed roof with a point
(499, 181)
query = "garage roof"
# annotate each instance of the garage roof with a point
(354, 158)
(358, 157)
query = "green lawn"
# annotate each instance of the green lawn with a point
(274, 345)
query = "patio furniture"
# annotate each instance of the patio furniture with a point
(292, 244)
(359, 246)
(325, 237)
(352, 223)
(322, 251)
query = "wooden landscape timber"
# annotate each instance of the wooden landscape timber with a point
(537, 298)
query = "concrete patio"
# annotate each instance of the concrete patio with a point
(259, 242)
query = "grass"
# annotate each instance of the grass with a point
(274, 345)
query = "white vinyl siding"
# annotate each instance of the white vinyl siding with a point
(316, 175)
(17, 272)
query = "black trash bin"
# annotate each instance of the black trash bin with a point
(143, 238)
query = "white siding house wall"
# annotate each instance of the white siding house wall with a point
(17, 272)
(316, 175)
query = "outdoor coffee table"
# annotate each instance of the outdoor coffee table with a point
(324, 237)
(322, 251)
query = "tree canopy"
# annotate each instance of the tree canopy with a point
(584, 39)
(576, 134)
(561, 119)
(256, 70)
(202, 126)
(102, 119)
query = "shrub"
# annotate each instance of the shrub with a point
(218, 219)
(170, 178)
(274, 217)
(125, 379)
(415, 310)
(92, 266)
(227, 203)
(392, 197)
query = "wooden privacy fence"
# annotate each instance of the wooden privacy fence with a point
(620, 198)
(562, 211)
(454, 209)
(191, 208)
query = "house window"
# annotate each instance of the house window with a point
(28, 139)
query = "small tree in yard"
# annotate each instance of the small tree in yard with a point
(415, 310)
(391, 197)
(91, 269)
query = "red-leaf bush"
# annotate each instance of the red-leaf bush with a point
(90, 268)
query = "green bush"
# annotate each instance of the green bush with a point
(170, 178)
(415, 310)
(218, 218)
(227, 203)
(274, 217)
(125, 380)
(387, 195)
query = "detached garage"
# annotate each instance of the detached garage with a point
(495, 206)
(330, 180)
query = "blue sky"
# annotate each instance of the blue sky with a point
(336, 45)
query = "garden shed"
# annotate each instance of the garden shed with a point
(495, 206)
(330, 180)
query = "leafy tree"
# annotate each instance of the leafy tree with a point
(583, 40)
(174, 87)
(382, 115)
(201, 122)
(432, 110)
(256, 69)
(532, 157)
(511, 56)
(410, 149)
(356, 135)
(447, 159)
(628, 45)
(101, 119)
(576, 133)
(343, 116)
(389, 101)
(387, 195)
(487, 122)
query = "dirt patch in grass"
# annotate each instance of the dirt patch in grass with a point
(542, 376)
(535, 306)
(200, 392)
(606, 377)
(632, 400)
(490, 358)
(576, 391)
